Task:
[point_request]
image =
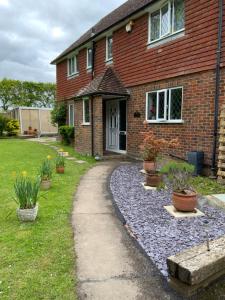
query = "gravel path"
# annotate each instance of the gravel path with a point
(159, 234)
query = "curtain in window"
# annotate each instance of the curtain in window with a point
(155, 25)
(152, 103)
(178, 15)
(165, 26)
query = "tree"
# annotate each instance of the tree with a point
(58, 114)
(9, 93)
(26, 93)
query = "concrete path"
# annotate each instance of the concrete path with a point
(109, 265)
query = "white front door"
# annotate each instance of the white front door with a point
(112, 125)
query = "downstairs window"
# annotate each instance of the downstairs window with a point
(164, 105)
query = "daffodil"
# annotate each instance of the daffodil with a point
(49, 157)
(24, 173)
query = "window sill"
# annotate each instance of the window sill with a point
(89, 69)
(72, 76)
(109, 61)
(85, 124)
(166, 39)
(166, 122)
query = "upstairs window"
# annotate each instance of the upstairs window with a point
(89, 58)
(86, 111)
(168, 19)
(72, 65)
(164, 105)
(109, 48)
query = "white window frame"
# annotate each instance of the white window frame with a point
(109, 59)
(171, 22)
(76, 71)
(84, 121)
(69, 110)
(89, 64)
(167, 104)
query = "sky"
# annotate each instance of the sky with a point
(34, 32)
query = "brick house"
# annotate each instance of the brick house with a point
(160, 61)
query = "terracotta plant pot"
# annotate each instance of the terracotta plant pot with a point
(27, 215)
(60, 170)
(149, 166)
(185, 202)
(153, 179)
(46, 184)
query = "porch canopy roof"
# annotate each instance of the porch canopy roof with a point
(107, 83)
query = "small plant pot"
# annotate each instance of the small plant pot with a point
(60, 170)
(185, 202)
(153, 179)
(46, 184)
(149, 166)
(27, 215)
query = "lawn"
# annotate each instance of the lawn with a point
(37, 260)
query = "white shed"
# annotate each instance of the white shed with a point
(35, 118)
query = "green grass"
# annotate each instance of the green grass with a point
(69, 149)
(207, 186)
(37, 260)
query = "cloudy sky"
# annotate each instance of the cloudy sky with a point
(33, 32)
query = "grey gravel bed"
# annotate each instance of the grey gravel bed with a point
(158, 233)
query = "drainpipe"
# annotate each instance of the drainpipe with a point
(217, 88)
(92, 100)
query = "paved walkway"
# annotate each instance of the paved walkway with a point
(109, 265)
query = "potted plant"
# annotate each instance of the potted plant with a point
(30, 130)
(60, 164)
(26, 195)
(46, 174)
(151, 147)
(178, 178)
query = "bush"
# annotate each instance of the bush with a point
(3, 123)
(67, 133)
(12, 127)
(58, 114)
(178, 175)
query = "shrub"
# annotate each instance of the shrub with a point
(58, 114)
(46, 170)
(60, 161)
(152, 146)
(3, 123)
(26, 192)
(67, 133)
(12, 127)
(178, 176)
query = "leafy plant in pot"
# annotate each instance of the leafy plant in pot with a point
(60, 164)
(178, 178)
(46, 174)
(151, 148)
(26, 195)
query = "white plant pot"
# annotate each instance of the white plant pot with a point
(27, 215)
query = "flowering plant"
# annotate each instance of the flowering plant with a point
(152, 146)
(26, 191)
(46, 169)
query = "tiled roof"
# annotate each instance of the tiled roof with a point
(122, 12)
(107, 84)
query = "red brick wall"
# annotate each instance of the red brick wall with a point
(196, 133)
(83, 134)
(137, 65)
